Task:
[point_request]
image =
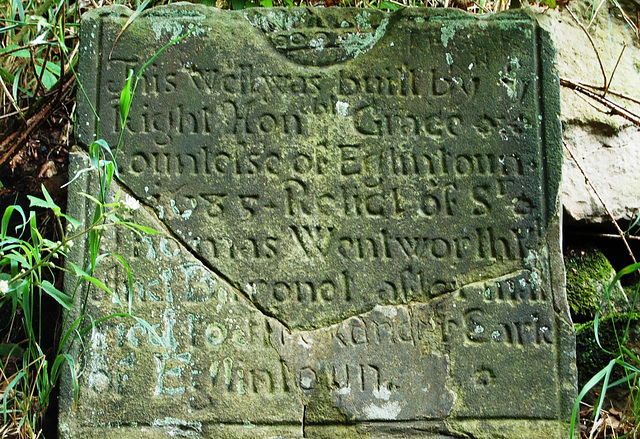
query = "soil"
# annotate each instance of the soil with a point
(40, 160)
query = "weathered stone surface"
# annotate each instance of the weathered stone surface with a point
(607, 146)
(359, 219)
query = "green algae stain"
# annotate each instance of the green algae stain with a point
(447, 33)
(358, 43)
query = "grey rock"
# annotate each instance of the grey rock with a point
(606, 146)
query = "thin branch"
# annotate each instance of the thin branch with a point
(8, 115)
(606, 235)
(13, 102)
(611, 92)
(39, 84)
(589, 103)
(613, 220)
(612, 106)
(614, 70)
(593, 16)
(595, 49)
(12, 142)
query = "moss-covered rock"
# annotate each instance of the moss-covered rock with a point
(589, 274)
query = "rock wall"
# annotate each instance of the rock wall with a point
(607, 146)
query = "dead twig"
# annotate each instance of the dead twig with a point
(10, 145)
(595, 49)
(624, 46)
(606, 235)
(609, 91)
(612, 106)
(13, 102)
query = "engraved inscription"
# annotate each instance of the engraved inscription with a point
(356, 217)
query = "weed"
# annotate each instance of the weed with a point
(624, 359)
(29, 267)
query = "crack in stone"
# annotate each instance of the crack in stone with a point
(206, 264)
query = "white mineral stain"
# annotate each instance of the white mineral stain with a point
(345, 390)
(382, 393)
(449, 58)
(98, 381)
(387, 311)
(174, 29)
(305, 344)
(306, 382)
(387, 411)
(174, 207)
(341, 108)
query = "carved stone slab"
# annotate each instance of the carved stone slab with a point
(359, 227)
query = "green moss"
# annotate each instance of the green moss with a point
(588, 275)
(632, 290)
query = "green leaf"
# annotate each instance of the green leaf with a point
(125, 99)
(55, 372)
(10, 350)
(53, 68)
(63, 299)
(49, 198)
(162, 49)
(91, 197)
(133, 16)
(7, 76)
(390, 6)
(6, 217)
(86, 276)
(8, 391)
(18, 7)
(603, 374)
(20, 259)
(134, 227)
(24, 53)
(38, 202)
(94, 154)
(266, 3)
(112, 162)
(49, 79)
(125, 264)
(71, 220)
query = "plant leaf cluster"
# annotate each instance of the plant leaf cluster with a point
(31, 264)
